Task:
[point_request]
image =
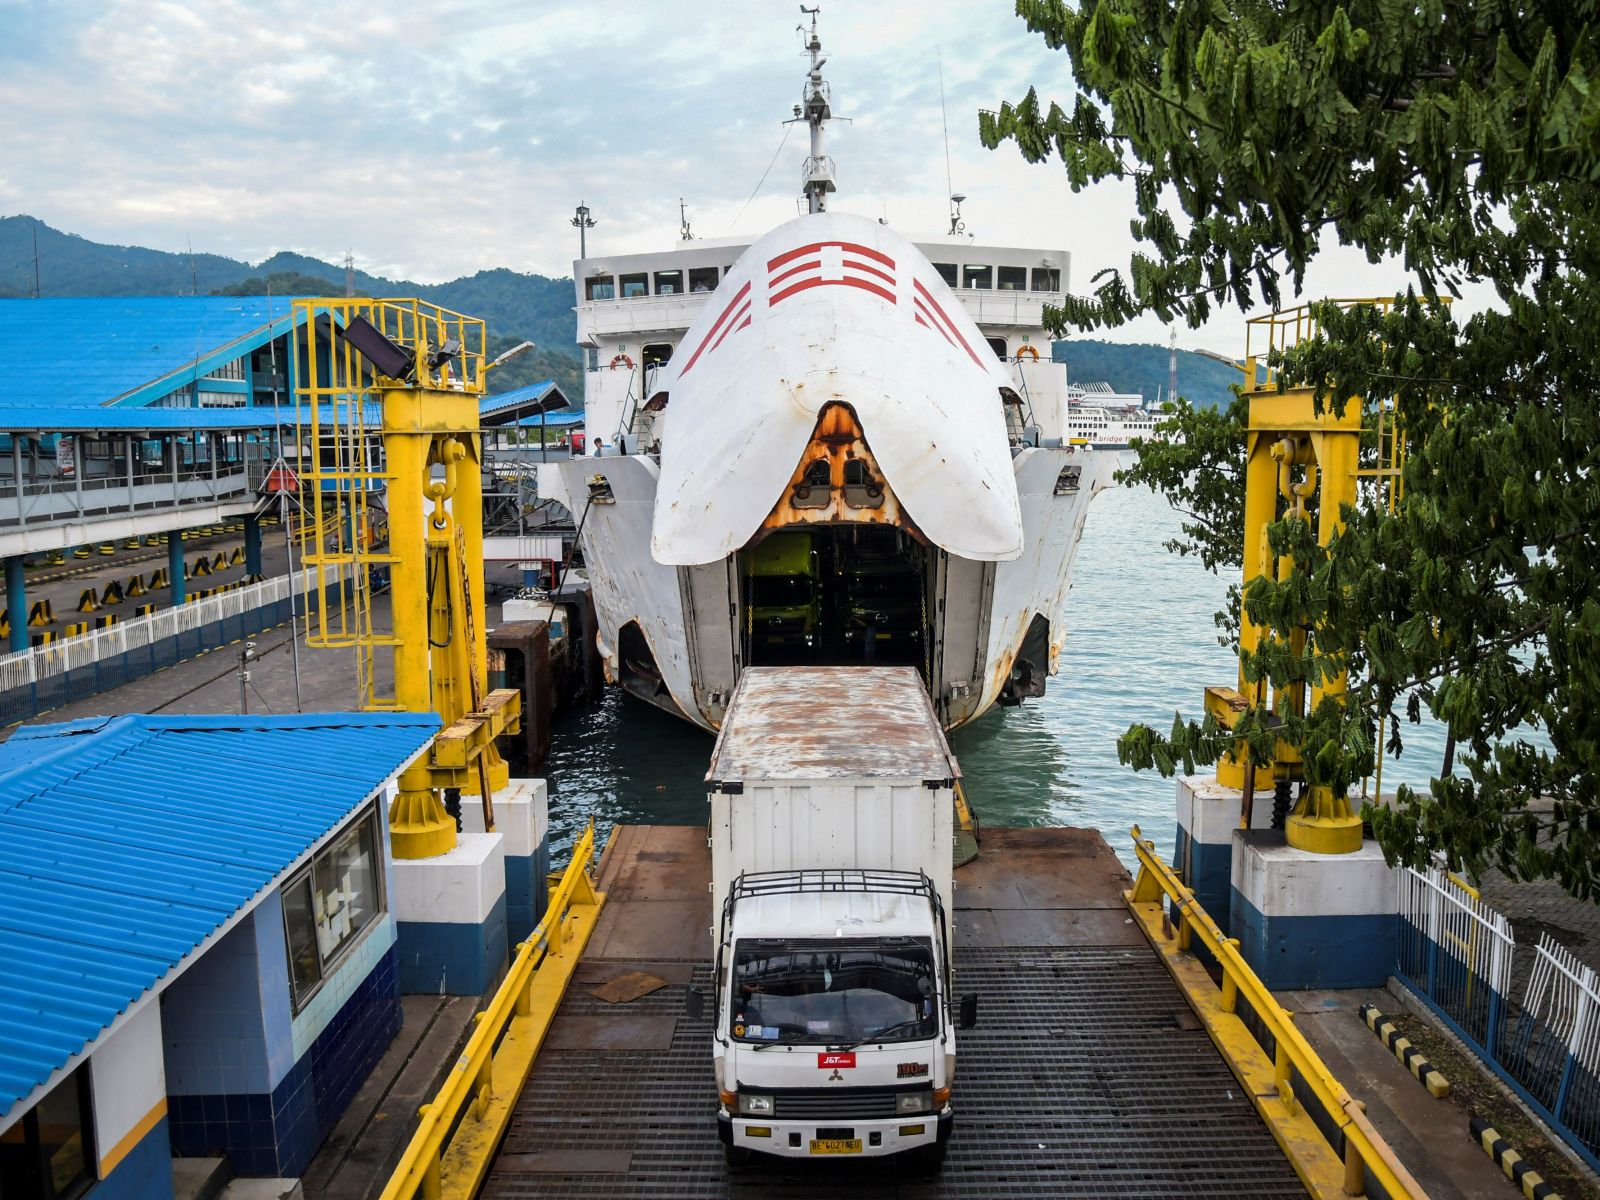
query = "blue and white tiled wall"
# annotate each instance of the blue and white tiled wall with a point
(248, 1077)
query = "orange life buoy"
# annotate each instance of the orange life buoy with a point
(1029, 351)
(623, 360)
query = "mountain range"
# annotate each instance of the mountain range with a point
(516, 305)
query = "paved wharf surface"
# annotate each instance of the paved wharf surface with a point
(1086, 1075)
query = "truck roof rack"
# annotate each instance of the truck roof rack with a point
(774, 883)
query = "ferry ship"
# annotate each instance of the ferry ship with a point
(1107, 419)
(832, 445)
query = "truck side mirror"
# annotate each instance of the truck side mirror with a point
(969, 1011)
(694, 1003)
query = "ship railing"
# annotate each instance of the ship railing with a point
(461, 1127)
(1325, 1132)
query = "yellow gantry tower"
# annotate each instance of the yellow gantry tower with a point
(387, 414)
(1298, 459)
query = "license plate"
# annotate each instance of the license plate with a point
(836, 1145)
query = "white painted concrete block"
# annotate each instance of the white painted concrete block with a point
(128, 1076)
(1280, 881)
(458, 888)
(521, 815)
(1210, 812)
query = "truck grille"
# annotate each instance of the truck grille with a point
(860, 1104)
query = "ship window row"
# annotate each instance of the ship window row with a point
(987, 277)
(667, 283)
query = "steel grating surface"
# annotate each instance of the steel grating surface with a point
(1078, 1081)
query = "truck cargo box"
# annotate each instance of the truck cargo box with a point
(831, 767)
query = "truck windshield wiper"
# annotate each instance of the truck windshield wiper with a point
(788, 1040)
(882, 1033)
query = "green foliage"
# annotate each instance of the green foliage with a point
(280, 283)
(1143, 368)
(1463, 137)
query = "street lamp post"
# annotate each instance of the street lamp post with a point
(584, 222)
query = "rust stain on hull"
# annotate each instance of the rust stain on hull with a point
(838, 481)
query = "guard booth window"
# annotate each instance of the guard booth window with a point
(947, 272)
(978, 276)
(329, 903)
(702, 279)
(669, 283)
(600, 287)
(635, 285)
(47, 1155)
(1046, 279)
(1013, 279)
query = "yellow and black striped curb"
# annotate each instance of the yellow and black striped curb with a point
(1410, 1057)
(1508, 1160)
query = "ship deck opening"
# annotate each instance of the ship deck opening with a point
(835, 595)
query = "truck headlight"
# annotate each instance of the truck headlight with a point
(913, 1102)
(751, 1105)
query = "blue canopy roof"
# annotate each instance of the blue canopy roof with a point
(542, 395)
(126, 841)
(102, 349)
(78, 419)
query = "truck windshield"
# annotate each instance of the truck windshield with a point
(827, 993)
(776, 590)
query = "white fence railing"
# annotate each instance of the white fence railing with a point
(26, 667)
(1458, 953)
(1463, 936)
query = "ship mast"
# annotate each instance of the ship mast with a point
(816, 177)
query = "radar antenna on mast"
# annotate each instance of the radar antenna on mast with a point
(683, 221)
(816, 177)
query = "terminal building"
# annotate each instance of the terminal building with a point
(193, 967)
(159, 415)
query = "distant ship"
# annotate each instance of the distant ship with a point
(828, 446)
(1109, 420)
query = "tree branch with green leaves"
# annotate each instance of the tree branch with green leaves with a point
(1462, 138)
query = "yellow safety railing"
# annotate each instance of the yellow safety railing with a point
(1327, 1170)
(461, 1128)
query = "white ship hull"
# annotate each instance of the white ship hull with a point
(839, 468)
(696, 625)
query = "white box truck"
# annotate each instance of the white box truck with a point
(832, 803)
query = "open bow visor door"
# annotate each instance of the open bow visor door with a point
(833, 380)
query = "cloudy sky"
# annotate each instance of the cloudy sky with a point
(435, 139)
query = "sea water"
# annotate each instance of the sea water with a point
(1141, 645)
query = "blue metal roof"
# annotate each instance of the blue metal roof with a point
(126, 841)
(535, 394)
(101, 349)
(555, 420)
(44, 419)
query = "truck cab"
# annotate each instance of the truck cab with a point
(781, 591)
(834, 1031)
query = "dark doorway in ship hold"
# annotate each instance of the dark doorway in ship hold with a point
(835, 595)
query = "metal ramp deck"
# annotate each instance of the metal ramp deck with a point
(1087, 1075)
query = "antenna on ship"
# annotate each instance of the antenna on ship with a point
(1172, 368)
(683, 221)
(816, 177)
(957, 225)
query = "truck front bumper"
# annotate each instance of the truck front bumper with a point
(794, 1139)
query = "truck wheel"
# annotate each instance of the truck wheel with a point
(735, 1156)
